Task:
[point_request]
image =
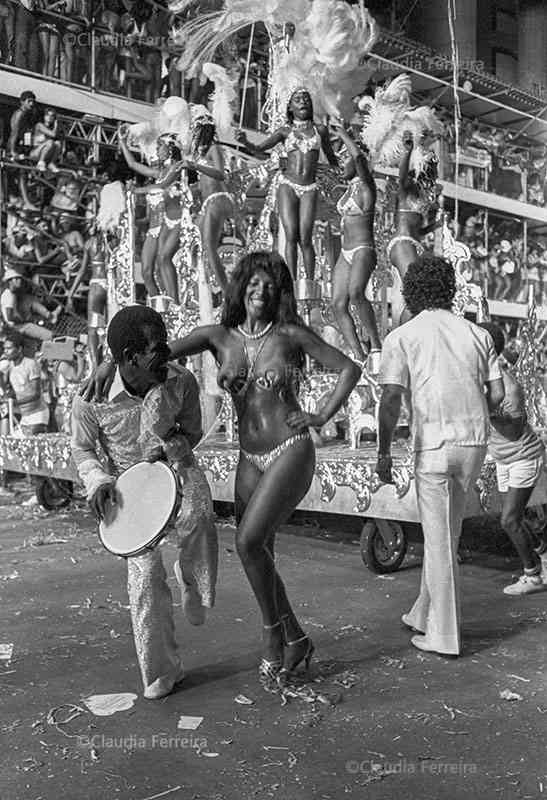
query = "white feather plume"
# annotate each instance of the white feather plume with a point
(387, 116)
(324, 54)
(222, 98)
(111, 206)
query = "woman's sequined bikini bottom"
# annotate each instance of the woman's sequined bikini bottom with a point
(264, 460)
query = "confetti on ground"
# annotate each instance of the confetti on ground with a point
(243, 701)
(162, 794)
(189, 723)
(507, 694)
(103, 705)
(6, 652)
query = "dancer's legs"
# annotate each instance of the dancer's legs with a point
(340, 304)
(263, 503)
(362, 267)
(402, 255)
(168, 245)
(211, 225)
(148, 262)
(308, 209)
(289, 215)
(96, 304)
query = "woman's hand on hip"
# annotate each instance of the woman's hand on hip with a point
(301, 419)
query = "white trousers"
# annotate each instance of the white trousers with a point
(150, 598)
(443, 478)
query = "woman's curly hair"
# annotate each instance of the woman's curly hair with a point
(284, 305)
(430, 282)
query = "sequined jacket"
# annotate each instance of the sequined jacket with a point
(115, 427)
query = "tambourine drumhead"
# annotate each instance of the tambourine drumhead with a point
(147, 496)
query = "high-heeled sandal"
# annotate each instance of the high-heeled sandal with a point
(290, 664)
(268, 669)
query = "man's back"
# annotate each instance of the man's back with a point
(444, 361)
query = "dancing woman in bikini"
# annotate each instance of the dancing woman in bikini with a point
(357, 258)
(164, 208)
(259, 348)
(405, 247)
(217, 205)
(298, 191)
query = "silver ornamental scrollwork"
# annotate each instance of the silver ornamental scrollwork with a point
(218, 463)
(360, 478)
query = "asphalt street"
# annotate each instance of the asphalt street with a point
(377, 719)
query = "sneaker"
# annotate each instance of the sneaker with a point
(195, 613)
(526, 584)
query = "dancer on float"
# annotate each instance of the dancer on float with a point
(217, 204)
(259, 347)
(94, 263)
(164, 207)
(297, 192)
(412, 204)
(357, 258)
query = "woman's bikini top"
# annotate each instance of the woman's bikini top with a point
(347, 205)
(303, 143)
(238, 382)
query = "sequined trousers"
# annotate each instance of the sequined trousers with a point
(150, 599)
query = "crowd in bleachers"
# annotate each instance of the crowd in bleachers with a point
(489, 160)
(502, 263)
(135, 53)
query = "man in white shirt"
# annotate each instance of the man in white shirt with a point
(448, 369)
(25, 380)
(18, 308)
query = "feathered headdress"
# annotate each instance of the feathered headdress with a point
(388, 115)
(170, 117)
(324, 54)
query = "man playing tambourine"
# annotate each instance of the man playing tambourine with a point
(151, 414)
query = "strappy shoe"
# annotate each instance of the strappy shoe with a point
(294, 656)
(269, 669)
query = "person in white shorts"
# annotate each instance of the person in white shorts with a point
(518, 452)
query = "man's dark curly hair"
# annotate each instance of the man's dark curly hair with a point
(429, 283)
(285, 309)
(131, 327)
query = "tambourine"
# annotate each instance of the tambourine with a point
(148, 498)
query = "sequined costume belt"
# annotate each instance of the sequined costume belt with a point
(404, 238)
(214, 196)
(299, 189)
(154, 232)
(264, 460)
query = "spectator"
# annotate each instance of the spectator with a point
(25, 381)
(21, 124)
(46, 146)
(49, 36)
(45, 247)
(8, 11)
(27, 50)
(73, 244)
(19, 307)
(67, 376)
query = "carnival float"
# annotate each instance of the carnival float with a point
(321, 51)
